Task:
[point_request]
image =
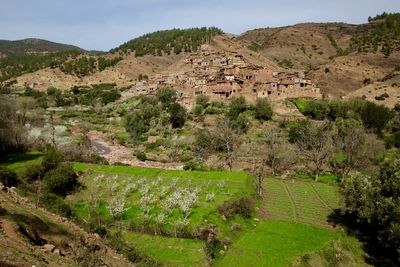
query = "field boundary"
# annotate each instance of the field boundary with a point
(295, 213)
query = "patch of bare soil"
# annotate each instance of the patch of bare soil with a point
(116, 153)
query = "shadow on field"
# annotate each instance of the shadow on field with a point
(19, 157)
(377, 256)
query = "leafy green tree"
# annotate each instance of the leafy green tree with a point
(263, 109)
(374, 203)
(167, 96)
(375, 116)
(137, 123)
(237, 106)
(202, 100)
(317, 110)
(177, 115)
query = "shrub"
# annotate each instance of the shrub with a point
(178, 115)
(263, 109)
(62, 180)
(243, 206)
(202, 100)
(375, 116)
(318, 110)
(33, 172)
(237, 106)
(8, 177)
(141, 156)
(57, 205)
(51, 159)
(166, 96)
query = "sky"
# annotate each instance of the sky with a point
(105, 24)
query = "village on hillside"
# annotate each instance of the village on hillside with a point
(223, 75)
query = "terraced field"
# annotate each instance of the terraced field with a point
(162, 200)
(299, 201)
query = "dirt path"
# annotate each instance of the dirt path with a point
(8, 229)
(114, 153)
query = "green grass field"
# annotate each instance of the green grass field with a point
(20, 160)
(275, 243)
(295, 222)
(169, 250)
(172, 251)
(300, 201)
(300, 103)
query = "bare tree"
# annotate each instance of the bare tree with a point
(315, 144)
(349, 138)
(259, 173)
(226, 140)
(276, 150)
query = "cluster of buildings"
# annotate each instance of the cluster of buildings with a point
(223, 75)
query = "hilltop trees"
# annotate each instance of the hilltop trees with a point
(169, 41)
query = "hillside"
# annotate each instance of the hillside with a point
(33, 45)
(340, 58)
(301, 46)
(32, 236)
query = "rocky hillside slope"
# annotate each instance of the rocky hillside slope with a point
(31, 236)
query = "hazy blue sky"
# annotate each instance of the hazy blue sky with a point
(104, 24)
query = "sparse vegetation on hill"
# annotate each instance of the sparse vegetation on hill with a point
(170, 41)
(384, 37)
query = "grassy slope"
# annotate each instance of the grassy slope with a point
(275, 243)
(169, 250)
(20, 160)
(296, 225)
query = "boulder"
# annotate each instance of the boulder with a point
(48, 247)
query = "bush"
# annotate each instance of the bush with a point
(202, 100)
(8, 177)
(243, 206)
(33, 172)
(166, 96)
(57, 205)
(375, 116)
(62, 180)
(51, 159)
(178, 115)
(263, 109)
(237, 106)
(317, 110)
(141, 156)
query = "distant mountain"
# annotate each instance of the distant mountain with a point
(32, 46)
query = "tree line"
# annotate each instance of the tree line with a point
(169, 42)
